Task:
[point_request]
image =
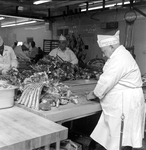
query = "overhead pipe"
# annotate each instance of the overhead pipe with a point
(131, 4)
(49, 12)
(87, 6)
(123, 2)
(103, 4)
(16, 9)
(49, 17)
(142, 13)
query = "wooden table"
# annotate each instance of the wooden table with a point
(22, 130)
(72, 83)
(72, 111)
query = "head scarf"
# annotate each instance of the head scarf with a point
(106, 40)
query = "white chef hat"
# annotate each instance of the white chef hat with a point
(106, 40)
(1, 41)
(62, 38)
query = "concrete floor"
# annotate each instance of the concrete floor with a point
(85, 144)
(144, 143)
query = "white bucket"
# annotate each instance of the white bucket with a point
(7, 97)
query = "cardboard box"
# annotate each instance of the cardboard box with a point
(84, 141)
(68, 145)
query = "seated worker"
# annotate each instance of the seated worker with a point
(25, 49)
(33, 51)
(15, 44)
(64, 52)
(8, 58)
(40, 54)
(20, 54)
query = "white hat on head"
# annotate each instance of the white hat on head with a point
(106, 40)
(1, 41)
(62, 38)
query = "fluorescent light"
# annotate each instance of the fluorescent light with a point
(9, 25)
(17, 24)
(1, 18)
(110, 5)
(92, 8)
(117, 4)
(128, 2)
(41, 2)
(28, 22)
(90, 3)
(20, 17)
(106, 6)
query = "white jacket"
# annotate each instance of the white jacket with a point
(67, 55)
(119, 90)
(8, 59)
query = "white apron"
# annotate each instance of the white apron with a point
(120, 91)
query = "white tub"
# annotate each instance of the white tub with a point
(7, 97)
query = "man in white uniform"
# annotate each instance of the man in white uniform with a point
(8, 58)
(119, 89)
(64, 52)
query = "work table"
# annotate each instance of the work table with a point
(27, 130)
(72, 111)
(22, 130)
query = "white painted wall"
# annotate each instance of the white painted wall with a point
(20, 33)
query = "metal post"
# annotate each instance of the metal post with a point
(121, 131)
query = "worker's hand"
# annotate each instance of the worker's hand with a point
(90, 96)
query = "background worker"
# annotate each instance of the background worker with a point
(8, 58)
(21, 56)
(119, 90)
(64, 52)
(33, 51)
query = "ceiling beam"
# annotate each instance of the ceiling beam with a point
(69, 3)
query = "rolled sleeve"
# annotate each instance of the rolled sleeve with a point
(74, 59)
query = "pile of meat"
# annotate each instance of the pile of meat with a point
(56, 68)
(38, 91)
(41, 87)
(144, 79)
(44, 95)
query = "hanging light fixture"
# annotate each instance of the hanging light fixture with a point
(18, 23)
(18, 17)
(1, 18)
(41, 2)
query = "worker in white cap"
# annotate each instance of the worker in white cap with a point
(64, 52)
(8, 58)
(119, 90)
